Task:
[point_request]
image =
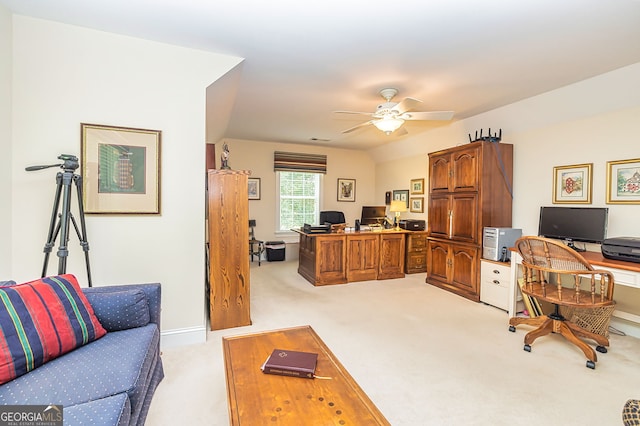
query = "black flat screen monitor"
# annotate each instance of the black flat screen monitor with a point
(586, 224)
(372, 215)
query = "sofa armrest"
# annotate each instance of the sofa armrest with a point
(152, 292)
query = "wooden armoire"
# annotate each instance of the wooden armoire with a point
(470, 187)
(228, 218)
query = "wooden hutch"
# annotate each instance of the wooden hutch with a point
(470, 187)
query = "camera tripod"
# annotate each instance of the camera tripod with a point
(59, 224)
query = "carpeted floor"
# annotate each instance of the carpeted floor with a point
(423, 355)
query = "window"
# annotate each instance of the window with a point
(299, 199)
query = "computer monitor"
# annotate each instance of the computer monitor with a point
(373, 215)
(586, 224)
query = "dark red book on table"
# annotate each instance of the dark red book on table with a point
(291, 363)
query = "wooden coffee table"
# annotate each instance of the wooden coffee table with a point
(256, 398)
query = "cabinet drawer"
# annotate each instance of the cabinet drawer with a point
(495, 273)
(495, 279)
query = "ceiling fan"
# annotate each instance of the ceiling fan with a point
(390, 116)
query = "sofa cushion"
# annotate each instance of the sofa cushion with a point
(114, 411)
(120, 362)
(120, 309)
(41, 320)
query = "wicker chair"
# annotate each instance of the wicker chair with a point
(559, 275)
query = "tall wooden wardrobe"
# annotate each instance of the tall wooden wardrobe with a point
(470, 187)
(228, 218)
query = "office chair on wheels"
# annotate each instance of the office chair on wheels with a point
(256, 247)
(332, 217)
(559, 275)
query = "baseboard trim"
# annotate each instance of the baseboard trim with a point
(183, 337)
(628, 327)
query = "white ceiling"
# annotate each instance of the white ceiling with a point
(304, 60)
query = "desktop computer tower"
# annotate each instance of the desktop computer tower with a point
(495, 239)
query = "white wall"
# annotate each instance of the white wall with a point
(5, 143)
(66, 75)
(397, 175)
(257, 156)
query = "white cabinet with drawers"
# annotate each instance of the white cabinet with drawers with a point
(495, 282)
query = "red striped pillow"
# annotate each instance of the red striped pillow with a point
(41, 320)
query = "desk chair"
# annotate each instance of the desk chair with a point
(332, 217)
(256, 247)
(559, 275)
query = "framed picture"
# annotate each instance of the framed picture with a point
(401, 194)
(346, 189)
(254, 188)
(572, 184)
(120, 169)
(416, 205)
(417, 186)
(623, 182)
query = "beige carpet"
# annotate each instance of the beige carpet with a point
(423, 355)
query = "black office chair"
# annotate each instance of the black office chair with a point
(256, 247)
(332, 217)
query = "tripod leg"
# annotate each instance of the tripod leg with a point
(54, 226)
(63, 250)
(82, 236)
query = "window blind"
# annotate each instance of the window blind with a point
(297, 162)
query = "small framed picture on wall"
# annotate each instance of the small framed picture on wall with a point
(346, 189)
(623, 182)
(572, 184)
(254, 188)
(416, 205)
(417, 186)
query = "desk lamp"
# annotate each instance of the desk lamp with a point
(397, 207)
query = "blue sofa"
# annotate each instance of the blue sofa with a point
(109, 381)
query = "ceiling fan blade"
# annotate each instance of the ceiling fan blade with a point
(353, 112)
(400, 132)
(351, 129)
(430, 115)
(407, 104)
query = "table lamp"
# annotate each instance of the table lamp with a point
(397, 207)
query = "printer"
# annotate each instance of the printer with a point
(412, 225)
(622, 248)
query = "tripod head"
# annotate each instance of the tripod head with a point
(70, 164)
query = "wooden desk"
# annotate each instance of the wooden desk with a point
(339, 258)
(256, 398)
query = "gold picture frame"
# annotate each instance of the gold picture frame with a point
(572, 184)
(417, 186)
(416, 205)
(120, 169)
(623, 182)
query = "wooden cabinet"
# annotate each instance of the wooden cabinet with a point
(454, 267)
(469, 188)
(363, 253)
(415, 252)
(228, 211)
(453, 216)
(454, 170)
(322, 259)
(391, 263)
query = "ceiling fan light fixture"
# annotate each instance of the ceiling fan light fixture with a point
(388, 124)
